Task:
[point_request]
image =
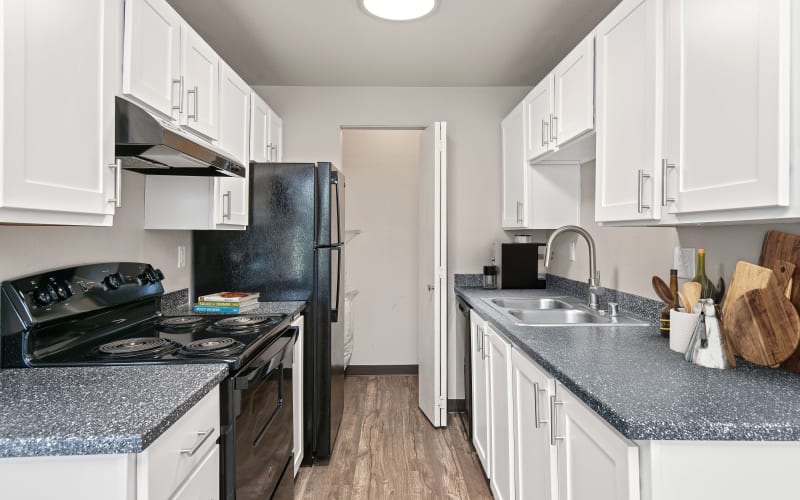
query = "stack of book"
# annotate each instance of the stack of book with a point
(226, 302)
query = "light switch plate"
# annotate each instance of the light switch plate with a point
(181, 256)
(686, 262)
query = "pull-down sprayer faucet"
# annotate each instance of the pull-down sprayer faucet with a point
(594, 302)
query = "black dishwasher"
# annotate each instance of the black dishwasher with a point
(463, 331)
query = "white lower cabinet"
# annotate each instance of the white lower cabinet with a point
(501, 451)
(183, 463)
(595, 462)
(480, 391)
(297, 394)
(534, 453)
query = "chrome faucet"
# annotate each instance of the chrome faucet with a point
(594, 301)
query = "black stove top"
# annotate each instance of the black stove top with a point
(108, 314)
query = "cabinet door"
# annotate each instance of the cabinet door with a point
(151, 71)
(500, 416)
(234, 113)
(275, 137)
(259, 129)
(515, 179)
(58, 132)
(297, 395)
(200, 70)
(534, 455)
(595, 462)
(573, 113)
(480, 391)
(629, 112)
(728, 104)
(203, 483)
(538, 111)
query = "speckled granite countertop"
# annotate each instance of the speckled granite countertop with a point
(96, 410)
(177, 304)
(631, 378)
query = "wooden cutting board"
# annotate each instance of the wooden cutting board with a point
(746, 277)
(762, 324)
(779, 246)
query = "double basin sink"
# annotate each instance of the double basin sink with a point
(556, 311)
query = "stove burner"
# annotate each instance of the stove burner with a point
(212, 346)
(244, 322)
(137, 346)
(182, 324)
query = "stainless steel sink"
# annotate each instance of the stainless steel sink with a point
(531, 304)
(556, 311)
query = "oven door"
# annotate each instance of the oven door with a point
(262, 428)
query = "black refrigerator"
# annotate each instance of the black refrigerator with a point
(292, 249)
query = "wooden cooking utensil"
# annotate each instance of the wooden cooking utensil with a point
(683, 301)
(691, 291)
(763, 325)
(663, 291)
(780, 246)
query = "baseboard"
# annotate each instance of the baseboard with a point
(382, 370)
(456, 405)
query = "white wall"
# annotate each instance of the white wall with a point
(312, 118)
(382, 172)
(628, 257)
(30, 249)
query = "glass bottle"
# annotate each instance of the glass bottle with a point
(706, 286)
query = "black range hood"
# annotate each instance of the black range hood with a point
(151, 146)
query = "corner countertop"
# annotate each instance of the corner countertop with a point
(631, 378)
(96, 410)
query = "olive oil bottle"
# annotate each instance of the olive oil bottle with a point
(706, 286)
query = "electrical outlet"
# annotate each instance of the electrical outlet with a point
(572, 251)
(686, 262)
(181, 256)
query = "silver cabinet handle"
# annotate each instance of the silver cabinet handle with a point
(519, 220)
(483, 344)
(553, 420)
(640, 206)
(485, 351)
(553, 128)
(226, 198)
(275, 151)
(202, 437)
(478, 340)
(665, 166)
(179, 82)
(117, 199)
(545, 132)
(268, 152)
(536, 404)
(195, 92)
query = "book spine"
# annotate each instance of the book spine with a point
(212, 298)
(205, 303)
(215, 309)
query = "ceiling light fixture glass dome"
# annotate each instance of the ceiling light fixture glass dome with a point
(399, 10)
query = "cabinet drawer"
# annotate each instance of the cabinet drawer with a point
(203, 482)
(165, 464)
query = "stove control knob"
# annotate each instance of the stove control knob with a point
(114, 281)
(44, 295)
(159, 275)
(63, 289)
(143, 279)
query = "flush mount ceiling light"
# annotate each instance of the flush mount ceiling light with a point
(398, 10)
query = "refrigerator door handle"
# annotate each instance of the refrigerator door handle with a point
(335, 182)
(335, 302)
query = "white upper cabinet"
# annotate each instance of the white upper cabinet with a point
(59, 61)
(275, 137)
(573, 102)
(595, 462)
(151, 70)
(200, 70)
(728, 104)
(234, 114)
(515, 168)
(629, 108)
(259, 129)
(534, 454)
(538, 111)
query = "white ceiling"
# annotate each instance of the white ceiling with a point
(333, 42)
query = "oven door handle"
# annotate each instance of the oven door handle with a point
(273, 357)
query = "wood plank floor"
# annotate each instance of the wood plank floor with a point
(386, 448)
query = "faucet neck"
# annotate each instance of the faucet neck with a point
(589, 241)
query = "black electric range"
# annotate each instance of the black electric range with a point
(108, 314)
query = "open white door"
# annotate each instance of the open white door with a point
(432, 330)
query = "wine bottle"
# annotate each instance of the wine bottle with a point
(664, 326)
(706, 286)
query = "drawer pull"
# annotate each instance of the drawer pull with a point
(202, 437)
